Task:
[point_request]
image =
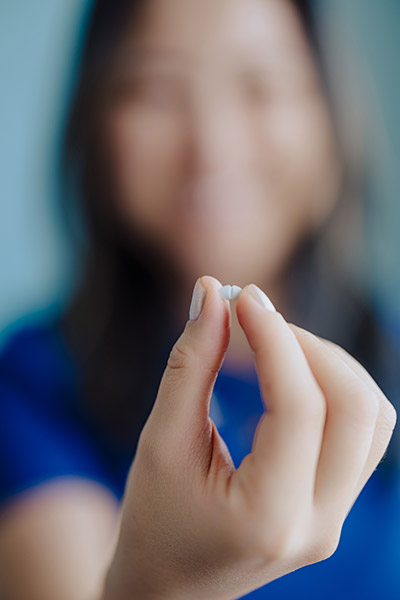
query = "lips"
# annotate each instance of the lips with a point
(220, 200)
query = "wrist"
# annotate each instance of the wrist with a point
(120, 587)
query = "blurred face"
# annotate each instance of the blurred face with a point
(220, 141)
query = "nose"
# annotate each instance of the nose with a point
(220, 137)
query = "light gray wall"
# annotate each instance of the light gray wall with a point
(38, 42)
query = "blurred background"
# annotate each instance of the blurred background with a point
(39, 45)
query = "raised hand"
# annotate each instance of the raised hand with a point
(192, 526)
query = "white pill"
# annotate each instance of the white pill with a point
(225, 292)
(235, 292)
(230, 292)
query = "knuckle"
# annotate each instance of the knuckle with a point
(179, 358)
(264, 547)
(388, 416)
(269, 552)
(183, 357)
(309, 411)
(325, 547)
(295, 543)
(369, 407)
(361, 405)
(277, 550)
(284, 545)
(282, 540)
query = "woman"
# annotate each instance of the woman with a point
(202, 142)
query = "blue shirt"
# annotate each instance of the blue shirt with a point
(44, 434)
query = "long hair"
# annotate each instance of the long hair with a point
(120, 323)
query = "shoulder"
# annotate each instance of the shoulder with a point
(34, 362)
(43, 433)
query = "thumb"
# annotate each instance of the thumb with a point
(185, 391)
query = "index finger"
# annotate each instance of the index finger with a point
(288, 439)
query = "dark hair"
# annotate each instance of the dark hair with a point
(118, 329)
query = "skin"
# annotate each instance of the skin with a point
(221, 100)
(191, 526)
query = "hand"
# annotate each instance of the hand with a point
(193, 527)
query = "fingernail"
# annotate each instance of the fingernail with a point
(261, 297)
(196, 305)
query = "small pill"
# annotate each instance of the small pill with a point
(235, 292)
(230, 292)
(225, 292)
